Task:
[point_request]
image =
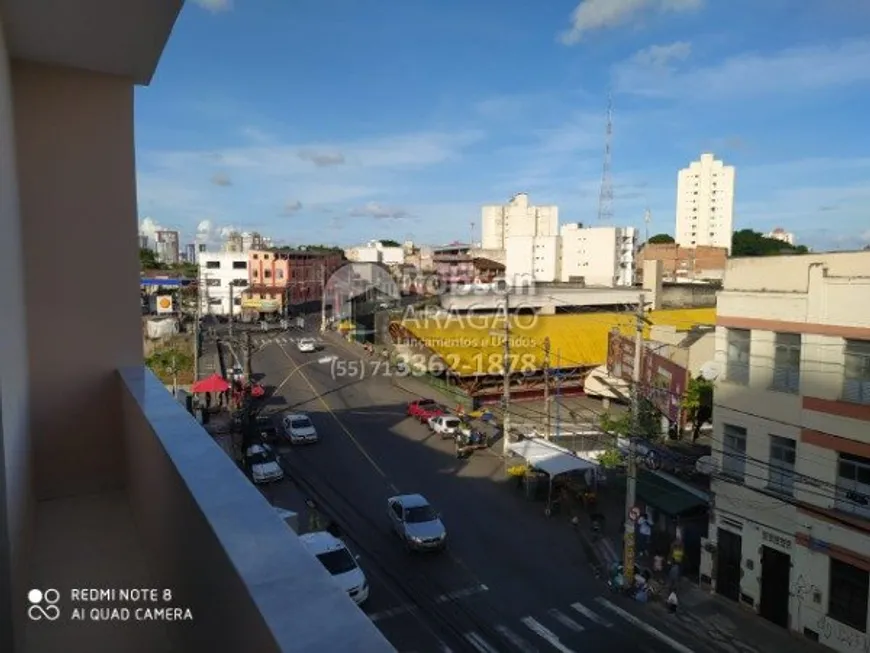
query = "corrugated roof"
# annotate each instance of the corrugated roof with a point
(471, 345)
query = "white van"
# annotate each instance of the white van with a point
(340, 562)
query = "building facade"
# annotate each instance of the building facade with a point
(533, 259)
(790, 532)
(167, 247)
(705, 204)
(278, 280)
(684, 263)
(223, 276)
(517, 218)
(601, 256)
(375, 251)
(463, 265)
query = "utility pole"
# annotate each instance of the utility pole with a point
(322, 297)
(631, 479)
(547, 384)
(506, 399)
(196, 334)
(231, 310)
(558, 393)
(248, 355)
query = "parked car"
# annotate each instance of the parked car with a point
(263, 464)
(267, 428)
(307, 345)
(299, 429)
(417, 523)
(334, 555)
(447, 426)
(425, 409)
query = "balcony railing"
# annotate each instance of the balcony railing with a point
(214, 540)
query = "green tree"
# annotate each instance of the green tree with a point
(747, 242)
(169, 364)
(390, 243)
(698, 404)
(649, 422)
(661, 239)
(148, 259)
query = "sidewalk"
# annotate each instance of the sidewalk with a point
(724, 624)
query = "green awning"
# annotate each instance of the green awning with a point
(669, 497)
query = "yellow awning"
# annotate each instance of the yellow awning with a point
(473, 345)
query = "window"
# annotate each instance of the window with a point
(787, 363)
(267, 274)
(848, 595)
(856, 384)
(213, 265)
(237, 301)
(853, 485)
(279, 273)
(239, 282)
(737, 364)
(781, 467)
(213, 283)
(734, 451)
(240, 265)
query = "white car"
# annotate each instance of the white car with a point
(299, 429)
(262, 462)
(339, 562)
(446, 425)
(307, 345)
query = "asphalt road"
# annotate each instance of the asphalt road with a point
(511, 580)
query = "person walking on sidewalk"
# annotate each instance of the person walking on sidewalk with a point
(644, 533)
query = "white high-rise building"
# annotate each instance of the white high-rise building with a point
(532, 259)
(600, 256)
(517, 218)
(781, 235)
(705, 204)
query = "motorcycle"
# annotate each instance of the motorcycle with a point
(468, 441)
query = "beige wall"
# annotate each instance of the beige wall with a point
(14, 388)
(75, 139)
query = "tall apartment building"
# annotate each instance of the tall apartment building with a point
(705, 204)
(223, 276)
(190, 253)
(781, 235)
(790, 530)
(600, 256)
(517, 218)
(375, 251)
(167, 247)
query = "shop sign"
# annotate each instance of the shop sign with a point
(778, 540)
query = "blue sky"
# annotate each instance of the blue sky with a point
(343, 121)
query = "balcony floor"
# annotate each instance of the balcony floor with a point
(90, 542)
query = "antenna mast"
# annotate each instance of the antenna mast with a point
(471, 242)
(647, 216)
(605, 197)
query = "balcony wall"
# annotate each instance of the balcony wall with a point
(15, 496)
(218, 544)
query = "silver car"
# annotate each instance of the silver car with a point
(417, 523)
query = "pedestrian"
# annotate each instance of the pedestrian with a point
(674, 576)
(673, 603)
(644, 532)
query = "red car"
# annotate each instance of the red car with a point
(423, 409)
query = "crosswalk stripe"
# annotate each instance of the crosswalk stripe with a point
(515, 639)
(566, 621)
(649, 630)
(479, 643)
(545, 633)
(591, 616)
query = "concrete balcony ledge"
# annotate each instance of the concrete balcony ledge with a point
(215, 541)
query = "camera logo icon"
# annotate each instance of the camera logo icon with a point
(43, 605)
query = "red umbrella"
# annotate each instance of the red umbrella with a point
(213, 383)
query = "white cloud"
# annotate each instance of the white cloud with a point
(662, 56)
(322, 159)
(221, 179)
(801, 69)
(211, 234)
(215, 6)
(595, 15)
(380, 212)
(291, 207)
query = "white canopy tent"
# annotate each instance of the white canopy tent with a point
(549, 458)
